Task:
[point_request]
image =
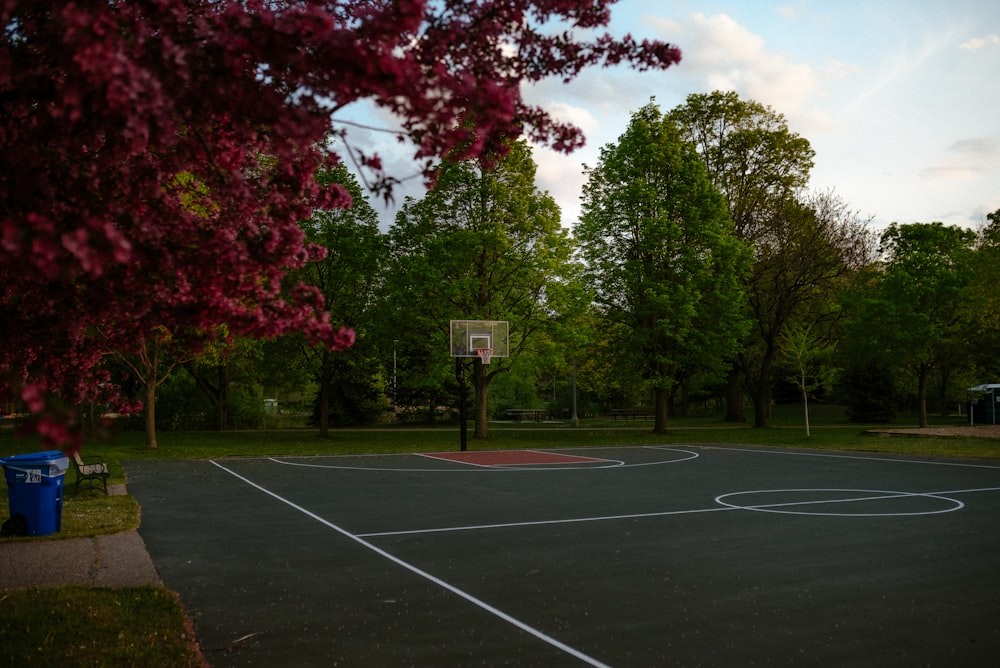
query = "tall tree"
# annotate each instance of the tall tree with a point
(483, 244)
(750, 154)
(350, 278)
(809, 251)
(984, 301)
(803, 244)
(757, 164)
(218, 366)
(115, 115)
(809, 357)
(919, 307)
(661, 254)
(151, 363)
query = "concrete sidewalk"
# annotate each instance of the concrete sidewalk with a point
(112, 560)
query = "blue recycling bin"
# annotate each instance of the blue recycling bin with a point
(35, 491)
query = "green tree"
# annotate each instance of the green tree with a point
(810, 358)
(660, 253)
(151, 364)
(813, 246)
(751, 156)
(758, 165)
(218, 367)
(916, 309)
(350, 277)
(984, 302)
(485, 243)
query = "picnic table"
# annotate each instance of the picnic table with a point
(521, 414)
(631, 414)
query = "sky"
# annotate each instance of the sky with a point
(900, 99)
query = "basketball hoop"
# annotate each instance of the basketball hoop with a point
(485, 354)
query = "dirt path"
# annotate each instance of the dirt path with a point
(983, 431)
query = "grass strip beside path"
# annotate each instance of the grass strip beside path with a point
(96, 626)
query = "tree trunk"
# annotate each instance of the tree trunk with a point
(323, 410)
(805, 402)
(218, 394)
(922, 393)
(761, 405)
(222, 401)
(659, 410)
(734, 396)
(762, 391)
(150, 414)
(685, 405)
(945, 373)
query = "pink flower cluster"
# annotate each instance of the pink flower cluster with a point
(157, 156)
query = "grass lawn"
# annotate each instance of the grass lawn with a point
(146, 626)
(95, 626)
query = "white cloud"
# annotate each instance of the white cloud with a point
(568, 113)
(965, 160)
(559, 174)
(722, 54)
(562, 176)
(943, 174)
(983, 148)
(790, 12)
(979, 42)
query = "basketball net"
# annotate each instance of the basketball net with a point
(485, 354)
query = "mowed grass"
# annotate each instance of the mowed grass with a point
(95, 626)
(829, 430)
(146, 626)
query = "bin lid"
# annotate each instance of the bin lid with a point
(29, 458)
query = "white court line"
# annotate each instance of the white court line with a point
(604, 461)
(879, 495)
(471, 467)
(505, 525)
(723, 506)
(480, 468)
(424, 574)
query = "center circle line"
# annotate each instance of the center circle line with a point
(870, 495)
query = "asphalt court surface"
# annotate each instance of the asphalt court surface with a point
(630, 556)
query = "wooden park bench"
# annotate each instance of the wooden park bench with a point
(90, 469)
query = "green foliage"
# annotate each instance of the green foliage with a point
(809, 357)
(357, 388)
(181, 406)
(984, 303)
(351, 279)
(246, 406)
(868, 389)
(661, 254)
(484, 244)
(804, 246)
(514, 390)
(914, 314)
(749, 153)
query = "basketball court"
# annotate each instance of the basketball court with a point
(631, 556)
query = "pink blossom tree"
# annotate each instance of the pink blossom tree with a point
(156, 156)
